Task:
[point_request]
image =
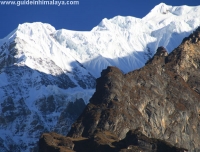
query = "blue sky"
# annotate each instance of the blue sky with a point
(82, 17)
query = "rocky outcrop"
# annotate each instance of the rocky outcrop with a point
(161, 100)
(136, 141)
(45, 73)
(155, 108)
(105, 141)
(55, 143)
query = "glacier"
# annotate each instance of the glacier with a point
(44, 70)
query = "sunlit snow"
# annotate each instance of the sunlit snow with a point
(124, 42)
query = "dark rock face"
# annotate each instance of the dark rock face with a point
(136, 141)
(55, 143)
(155, 108)
(162, 99)
(72, 112)
(105, 141)
(7, 60)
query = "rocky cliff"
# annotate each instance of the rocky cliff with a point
(48, 75)
(160, 100)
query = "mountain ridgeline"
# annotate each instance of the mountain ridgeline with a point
(48, 76)
(155, 108)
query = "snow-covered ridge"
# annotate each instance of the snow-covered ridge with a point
(125, 42)
(42, 69)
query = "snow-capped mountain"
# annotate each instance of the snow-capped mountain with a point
(127, 42)
(47, 75)
(38, 79)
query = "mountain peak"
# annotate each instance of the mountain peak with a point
(164, 11)
(116, 23)
(43, 69)
(35, 29)
(161, 8)
(159, 56)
